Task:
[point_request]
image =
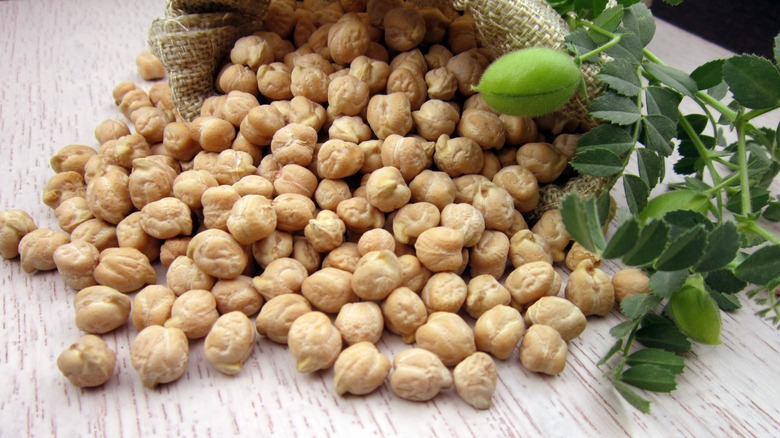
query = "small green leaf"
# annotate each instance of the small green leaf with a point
(772, 211)
(754, 81)
(663, 335)
(580, 42)
(680, 221)
(623, 240)
(759, 198)
(637, 192)
(748, 237)
(637, 401)
(623, 329)
(638, 20)
(726, 302)
(635, 307)
(589, 8)
(650, 244)
(675, 200)
(666, 283)
(663, 101)
(621, 76)
(658, 132)
(684, 251)
(599, 162)
(709, 75)
(651, 166)
(608, 20)
(611, 137)
(629, 48)
(722, 247)
(761, 267)
(696, 314)
(612, 351)
(724, 281)
(672, 77)
(650, 377)
(658, 357)
(582, 222)
(603, 207)
(620, 110)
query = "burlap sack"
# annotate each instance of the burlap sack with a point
(195, 37)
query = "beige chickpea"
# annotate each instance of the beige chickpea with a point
(73, 158)
(230, 342)
(160, 95)
(254, 185)
(404, 29)
(236, 77)
(238, 294)
(484, 127)
(191, 185)
(124, 269)
(294, 144)
(72, 212)
(149, 66)
(628, 282)
(278, 314)
(348, 95)
(150, 123)
(251, 218)
(578, 253)
(251, 51)
(293, 178)
(277, 245)
(465, 218)
(14, 225)
(551, 227)
(543, 350)
(467, 71)
(496, 206)
(404, 153)
(377, 9)
(439, 249)
(217, 254)
(150, 180)
(448, 336)
(542, 160)
(531, 281)
(274, 81)
(178, 141)
(132, 100)
(306, 112)
(372, 152)
(519, 130)
(372, 72)
(435, 118)
(521, 184)
(330, 192)
(433, 187)
(194, 312)
(314, 342)
(491, 166)
(347, 39)
(63, 186)
(419, 375)
(305, 253)
(413, 219)
(212, 134)
(309, 82)
(166, 218)
(284, 18)
(123, 151)
(260, 124)
(376, 240)
(352, 129)
(359, 215)
(204, 160)
(100, 309)
(184, 275)
(376, 275)
(526, 247)
(566, 144)
(97, 232)
(360, 369)
(441, 84)
(345, 257)
(410, 82)
(389, 114)
(403, 313)
(217, 204)
(489, 255)
(558, 313)
(159, 355)
(498, 331)
(458, 156)
(108, 196)
(173, 248)
(360, 322)
(88, 362)
(122, 88)
(444, 292)
(282, 276)
(338, 159)
(36, 248)
(475, 380)
(386, 189)
(293, 211)
(152, 306)
(484, 292)
(461, 35)
(268, 168)
(76, 262)
(466, 186)
(414, 275)
(236, 106)
(325, 231)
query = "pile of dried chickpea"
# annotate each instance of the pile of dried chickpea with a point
(347, 181)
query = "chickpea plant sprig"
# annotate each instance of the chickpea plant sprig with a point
(702, 241)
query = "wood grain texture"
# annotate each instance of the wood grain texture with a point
(60, 61)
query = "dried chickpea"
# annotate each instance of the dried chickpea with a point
(132, 100)
(293, 178)
(230, 342)
(124, 269)
(359, 215)
(88, 362)
(444, 292)
(149, 66)
(566, 144)
(475, 380)
(217, 254)
(458, 156)
(414, 275)
(496, 205)
(329, 289)
(212, 134)
(281, 276)
(466, 186)
(305, 253)
(403, 313)
(194, 312)
(121, 89)
(376, 275)
(521, 185)
(97, 232)
(217, 204)
(189, 186)
(36, 247)
(173, 248)
(129, 233)
(542, 160)
(433, 187)
(260, 124)
(628, 282)
(166, 218)
(254, 185)
(372, 72)
(314, 342)
(436, 24)
(467, 71)
(238, 294)
(306, 112)
(489, 255)
(345, 257)
(484, 292)
(389, 114)
(404, 29)
(178, 141)
(236, 106)
(419, 375)
(123, 151)
(348, 95)
(63, 186)
(160, 95)
(76, 261)
(294, 144)
(277, 245)
(352, 129)
(100, 309)
(338, 159)
(212, 105)
(150, 180)
(466, 219)
(543, 350)
(404, 153)
(484, 127)
(558, 313)
(412, 219)
(184, 275)
(330, 192)
(14, 225)
(551, 227)
(410, 82)
(376, 240)
(498, 331)
(236, 77)
(152, 306)
(441, 84)
(284, 18)
(159, 355)
(150, 123)
(274, 81)
(293, 211)
(360, 322)
(578, 253)
(526, 247)
(531, 281)
(251, 218)
(518, 129)
(309, 82)
(435, 118)
(439, 249)
(74, 157)
(72, 212)
(448, 336)
(386, 189)
(108, 196)
(491, 166)
(360, 369)
(252, 51)
(278, 314)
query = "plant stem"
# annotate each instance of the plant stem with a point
(723, 184)
(704, 153)
(766, 234)
(744, 180)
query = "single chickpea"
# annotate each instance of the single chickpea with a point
(578, 253)
(251, 218)
(212, 133)
(73, 158)
(284, 18)
(236, 106)
(491, 166)
(230, 342)
(410, 82)
(448, 336)
(348, 95)
(376, 275)
(274, 81)
(71, 213)
(293, 211)
(14, 225)
(489, 255)
(281, 276)
(150, 180)
(184, 275)
(389, 114)
(217, 204)
(628, 282)
(278, 314)
(444, 292)
(212, 105)
(294, 144)
(88, 362)
(484, 292)
(519, 130)
(309, 82)
(97, 232)
(521, 184)
(484, 127)
(551, 227)
(359, 215)
(76, 262)
(543, 350)
(496, 205)
(132, 100)
(108, 196)
(252, 51)
(173, 248)
(100, 309)
(304, 252)
(419, 375)
(314, 342)
(412, 60)
(458, 156)
(376, 240)
(150, 122)
(152, 306)
(330, 192)
(467, 71)
(436, 24)
(121, 89)
(338, 159)
(293, 178)
(404, 312)
(498, 331)
(404, 29)
(306, 112)
(441, 84)
(558, 313)
(238, 77)
(462, 34)
(404, 153)
(466, 219)
(566, 144)
(412, 219)
(36, 247)
(372, 152)
(178, 141)
(189, 186)
(124, 151)
(254, 185)
(437, 57)
(260, 124)
(277, 245)
(526, 247)
(352, 129)
(345, 257)
(386, 189)
(160, 95)
(149, 66)
(124, 269)
(166, 218)
(542, 160)
(159, 355)
(414, 275)
(360, 322)
(237, 294)
(435, 118)
(531, 281)
(475, 380)
(371, 71)
(467, 186)
(217, 254)
(325, 231)
(439, 249)
(62, 186)
(360, 369)
(194, 312)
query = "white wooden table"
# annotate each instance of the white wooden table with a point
(59, 60)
